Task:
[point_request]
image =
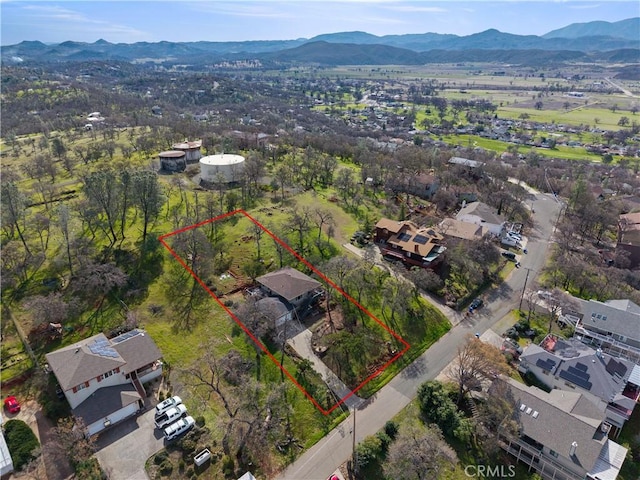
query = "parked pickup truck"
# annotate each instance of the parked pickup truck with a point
(170, 415)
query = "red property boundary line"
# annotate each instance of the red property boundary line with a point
(256, 340)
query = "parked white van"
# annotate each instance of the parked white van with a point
(170, 416)
(167, 404)
(178, 428)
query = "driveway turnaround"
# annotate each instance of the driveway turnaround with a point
(124, 448)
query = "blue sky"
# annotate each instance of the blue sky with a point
(236, 20)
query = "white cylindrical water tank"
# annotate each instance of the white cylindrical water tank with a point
(214, 168)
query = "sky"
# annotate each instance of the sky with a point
(124, 21)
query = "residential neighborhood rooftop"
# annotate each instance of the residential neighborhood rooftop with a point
(560, 419)
(88, 358)
(104, 401)
(288, 282)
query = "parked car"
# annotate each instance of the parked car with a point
(11, 404)
(170, 416)
(178, 428)
(59, 392)
(510, 345)
(512, 332)
(477, 303)
(509, 255)
(167, 404)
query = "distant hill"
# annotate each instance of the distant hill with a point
(332, 54)
(401, 49)
(628, 29)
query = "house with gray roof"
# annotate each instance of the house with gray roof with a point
(613, 326)
(290, 284)
(102, 378)
(562, 435)
(570, 365)
(483, 215)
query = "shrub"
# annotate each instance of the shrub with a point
(160, 457)
(391, 429)
(181, 465)
(385, 440)
(89, 469)
(200, 421)
(228, 303)
(187, 445)
(189, 473)
(368, 450)
(166, 468)
(160, 397)
(227, 465)
(21, 442)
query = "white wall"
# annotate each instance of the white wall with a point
(121, 414)
(80, 396)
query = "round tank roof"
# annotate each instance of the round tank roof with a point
(172, 154)
(222, 159)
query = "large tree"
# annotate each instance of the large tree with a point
(14, 212)
(476, 362)
(419, 452)
(102, 190)
(147, 197)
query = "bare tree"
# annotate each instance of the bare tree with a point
(418, 452)
(475, 363)
(14, 212)
(49, 309)
(497, 416)
(557, 301)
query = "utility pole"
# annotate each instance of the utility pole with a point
(524, 287)
(353, 446)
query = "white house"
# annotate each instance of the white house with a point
(6, 462)
(613, 326)
(483, 215)
(102, 378)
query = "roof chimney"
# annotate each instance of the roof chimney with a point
(572, 452)
(416, 248)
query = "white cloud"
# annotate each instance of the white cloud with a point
(416, 9)
(56, 18)
(242, 9)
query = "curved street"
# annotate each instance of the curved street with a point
(321, 460)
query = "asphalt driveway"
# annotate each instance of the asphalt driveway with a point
(124, 449)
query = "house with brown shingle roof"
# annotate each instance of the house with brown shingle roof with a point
(406, 242)
(102, 378)
(290, 284)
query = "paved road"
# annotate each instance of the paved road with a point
(321, 460)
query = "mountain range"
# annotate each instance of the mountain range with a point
(593, 41)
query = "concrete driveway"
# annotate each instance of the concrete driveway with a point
(124, 449)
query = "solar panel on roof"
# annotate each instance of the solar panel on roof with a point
(404, 237)
(580, 382)
(614, 367)
(421, 239)
(578, 373)
(582, 367)
(547, 364)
